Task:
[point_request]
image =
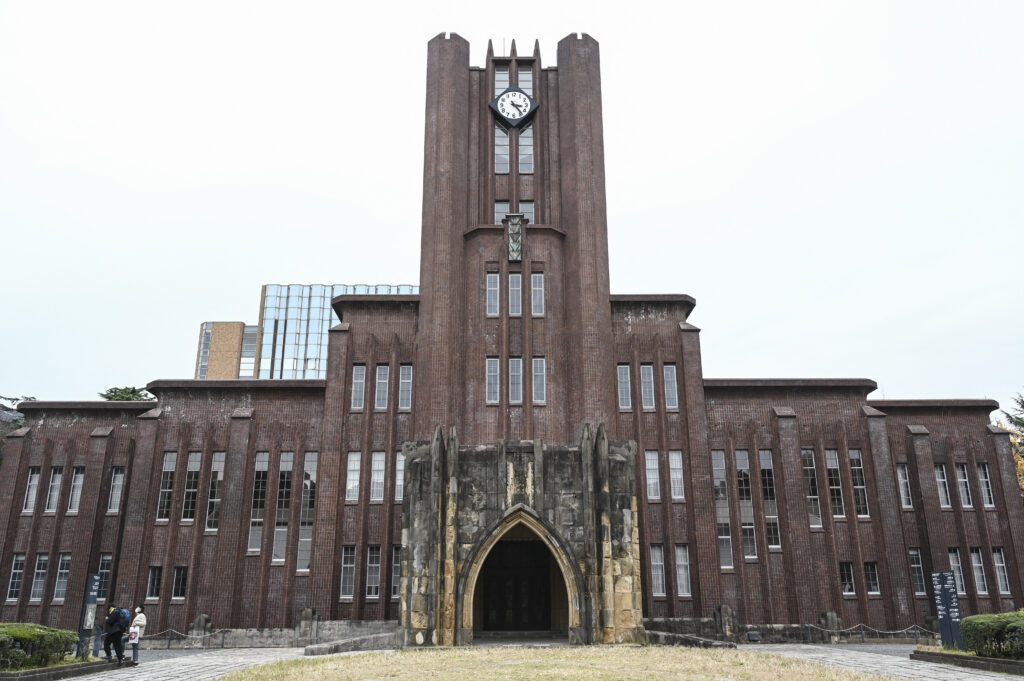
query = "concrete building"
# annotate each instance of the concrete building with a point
(513, 447)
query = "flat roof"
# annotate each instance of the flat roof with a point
(109, 405)
(863, 383)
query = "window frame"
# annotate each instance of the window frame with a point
(492, 298)
(348, 572)
(647, 402)
(307, 512)
(835, 483)
(282, 507)
(537, 295)
(213, 494)
(668, 372)
(903, 482)
(515, 294)
(978, 571)
(492, 380)
(17, 569)
(847, 581)
(358, 388)
(404, 387)
(31, 489)
(963, 485)
(956, 565)
(154, 579)
(675, 474)
(684, 586)
(653, 482)
(988, 496)
(916, 564)
(872, 579)
(373, 569)
(258, 506)
(179, 585)
(515, 380)
(658, 589)
(813, 494)
(399, 476)
(377, 475)
(769, 495)
(190, 500)
(858, 476)
(539, 384)
(166, 492)
(75, 495)
(53, 489)
(942, 485)
(381, 391)
(1002, 573)
(352, 474)
(622, 371)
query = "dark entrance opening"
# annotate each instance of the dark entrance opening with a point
(520, 590)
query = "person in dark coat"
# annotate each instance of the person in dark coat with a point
(115, 630)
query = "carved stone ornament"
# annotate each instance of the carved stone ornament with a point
(514, 236)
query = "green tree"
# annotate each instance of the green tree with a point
(10, 418)
(127, 394)
(1015, 424)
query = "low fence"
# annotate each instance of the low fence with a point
(707, 627)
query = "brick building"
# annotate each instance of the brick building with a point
(513, 447)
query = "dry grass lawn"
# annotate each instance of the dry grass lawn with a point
(590, 663)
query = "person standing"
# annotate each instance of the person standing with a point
(115, 626)
(136, 631)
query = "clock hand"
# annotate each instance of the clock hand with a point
(518, 108)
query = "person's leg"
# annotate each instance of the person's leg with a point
(119, 647)
(107, 640)
(135, 653)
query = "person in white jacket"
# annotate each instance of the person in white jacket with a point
(138, 621)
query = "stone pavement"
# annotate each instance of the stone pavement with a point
(192, 665)
(885, 661)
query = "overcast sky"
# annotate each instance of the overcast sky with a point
(839, 185)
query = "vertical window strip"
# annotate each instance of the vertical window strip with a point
(216, 486)
(1002, 576)
(526, 151)
(180, 585)
(492, 382)
(957, 568)
(540, 383)
(352, 476)
(860, 487)
(39, 577)
(501, 150)
(811, 482)
(372, 571)
(721, 496)
(917, 572)
(526, 208)
(525, 74)
(17, 575)
(156, 574)
(348, 571)
(871, 578)
(358, 386)
(501, 80)
(163, 504)
(651, 469)
(625, 395)
(978, 566)
(405, 387)
(380, 395)
(103, 570)
(31, 490)
(835, 485)
(671, 389)
(846, 578)
(492, 294)
(399, 476)
(988, 498)
(964, 485)
(53, 492)
(501, 209)
(396, 571)
(283, 507)
(647, 386)
(188, 506)
(683, 570)
(377, 476)
(515, 294)
(537, 294)
(259, 501)
(675, 471)
(903, 477)
(307, 512)
(515, 380)
(657, 570)
(943, 485)
(744, 495)
(773, 532)
(77, 479)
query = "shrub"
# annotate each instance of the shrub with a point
(998, 635)
(22, 644)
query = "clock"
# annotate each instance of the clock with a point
(514, 107)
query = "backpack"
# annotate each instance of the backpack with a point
(122, 618)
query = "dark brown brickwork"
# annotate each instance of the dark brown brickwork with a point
(445, 335)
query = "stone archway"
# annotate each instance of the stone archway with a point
(562, 611)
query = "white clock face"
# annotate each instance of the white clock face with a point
(513, 105)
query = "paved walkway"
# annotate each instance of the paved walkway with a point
(886, 660)
(178, 665)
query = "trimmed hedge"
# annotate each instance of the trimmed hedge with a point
(998, 635)
(33, 644)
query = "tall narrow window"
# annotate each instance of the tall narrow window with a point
(77, 479)
(380, 394)
(31, 490)
(1002, 576)
(17, 575)
(491, 387)
(671, 390)
(372, 571)
(405, 387)
(526, 151)
(860, 487)
(501, 80)
(515, 380)
(106, 561)
(156, 575)
(492, 294)
(39, 577)
(352, 476)
(811, 482)
(377, 476)
(625, 395)
(399, 476)
(651, 468)
(348, 571)
(180, 585)
(537, 294)
(917, 572)
(307, 512)
(980, 582)
(540, 383)
(259, 501)
(903, 477)
(958, 570)
(943, 485)
(526, 79)
(500, 149)
(188, 506)
(283, 508)
(116, 485)
(846, 578)
(53, 493)
(526, 208)
(721, 492)
(216, 484)
(515, 294)
(682, 570)
(835, 486)
(657, 570)
(358, 385)
(985, 478)
(965, 487)
(745, 496)
(771, 505)
(871, 578)
(396, 571)
(163, 503)
(500, 211)
(647, 386)
(675, 473)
